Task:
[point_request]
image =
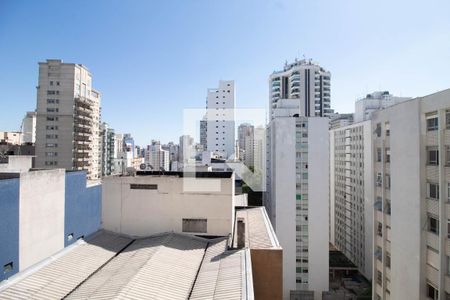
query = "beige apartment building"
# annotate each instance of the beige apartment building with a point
(68, 118)
(411, 144)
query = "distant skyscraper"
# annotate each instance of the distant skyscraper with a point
(203, 133)
(245, 143)
(68, 118)
(29, 128)
(375, 101)
(186, 150)
(220, 107)
(157, 157)
(303, 80)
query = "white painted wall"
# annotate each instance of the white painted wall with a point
(147, 212)
(318, 209)
(41, 217)
(283, 190)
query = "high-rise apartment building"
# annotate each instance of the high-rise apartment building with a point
(411, 143)
(351, 193)
(305, 81)
(68, 118)
(297, 199)
(246, 137)
(203, 133)
(186, 148)
(107, 149)
(220, 106)
(375, 101)
(157, 157)
(29, 128)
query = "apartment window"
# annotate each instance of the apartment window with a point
(388, 260)
(51, 127)
(378, 154)
(378, 130)
(379, 179)
(388, 155)
(57, 83)
(432, 123)
(387, 208)
(50, 101)
(379, 277)
(433, 191)
(433, 156)
(51, 92)
(447, 156)
(433, 224)
(432, 292)
(50, 154)
(195, 225)
(51, 145)
(387, 128)
(8, 267)
(448, 229)
(51, 109)
(380, 229)
(448, 192)
(51, 136)
(134, 186)
(387, 183)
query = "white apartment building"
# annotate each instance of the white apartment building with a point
(374, 101)
(157, 158)
(305, 81)
(186, 148)
(68, 118)
(411, 144)
(246, 133)
(107, 149)
(203, 133)
(297, 199)
(220, 105)
(29, 128)
(351, 193)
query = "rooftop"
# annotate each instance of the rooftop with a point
(163, 266)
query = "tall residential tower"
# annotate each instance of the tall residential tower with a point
(68, 118)
(305, 81)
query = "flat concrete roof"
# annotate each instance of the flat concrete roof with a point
(186, 174)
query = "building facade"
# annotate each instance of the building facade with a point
(305, 81)
(297, 200)
(411, 143)
(374, 101)
(68, 118)
(157, 158)
(29, 128)
(220, 105)
(351, 193)
(246, 136)
(107, 149)
(41, 212)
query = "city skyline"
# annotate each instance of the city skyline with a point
(189, 49)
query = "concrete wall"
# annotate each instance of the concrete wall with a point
(82, 207)
(140, 212)
(9, 225)
(318, 209)
(41, 216)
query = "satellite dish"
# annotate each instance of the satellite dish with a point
(143, 166)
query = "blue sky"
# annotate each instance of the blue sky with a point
(152, 59)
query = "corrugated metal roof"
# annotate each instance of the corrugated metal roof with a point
(222, 274)
(259, 230)
(57, 279)
(165, 266)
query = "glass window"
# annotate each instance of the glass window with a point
(432, 123)
(433, 225)
(433, 156)
(433, 191)
(432, 292)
